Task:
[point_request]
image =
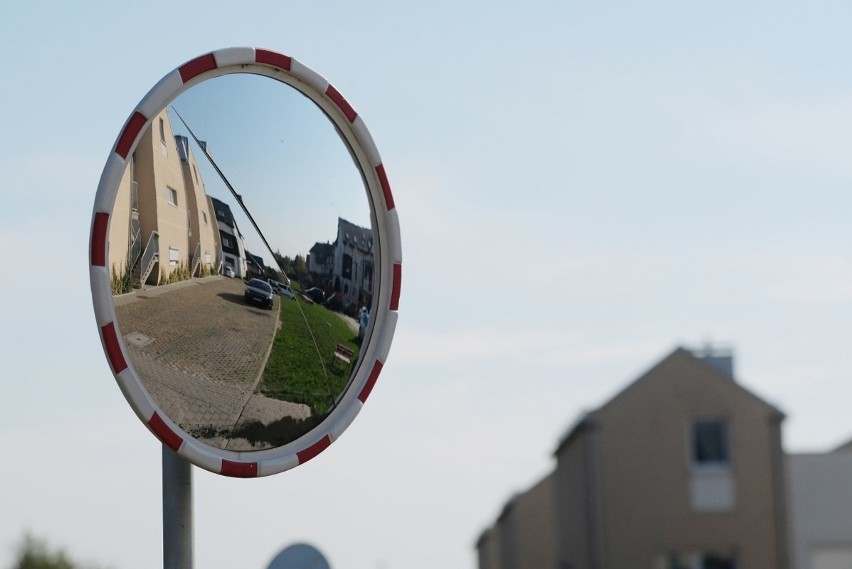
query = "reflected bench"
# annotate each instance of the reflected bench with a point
(343, 354)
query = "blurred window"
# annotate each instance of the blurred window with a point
(710, 443)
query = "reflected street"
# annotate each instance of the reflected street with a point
(201, 352)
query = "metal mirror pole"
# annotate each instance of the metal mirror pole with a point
(178, 538)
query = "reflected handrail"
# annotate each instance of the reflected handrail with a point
(196, 259)
(150, 257)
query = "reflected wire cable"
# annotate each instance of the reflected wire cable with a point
(239, 199)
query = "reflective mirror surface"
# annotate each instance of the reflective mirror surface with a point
(245, 327)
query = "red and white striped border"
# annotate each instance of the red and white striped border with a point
(383, 321)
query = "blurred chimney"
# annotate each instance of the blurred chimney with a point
(720, 359)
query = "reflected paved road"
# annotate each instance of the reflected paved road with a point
(198, 348)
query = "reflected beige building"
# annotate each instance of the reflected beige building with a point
(204, 247)
(162, 227)
(683, 469)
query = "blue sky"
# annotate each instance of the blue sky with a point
(581, 188)
(281, 154)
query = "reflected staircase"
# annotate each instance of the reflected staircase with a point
(196, 261)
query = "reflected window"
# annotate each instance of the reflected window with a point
(347, 266)
(204, 217)
(171, 195)
(229, 244)
(162, 131)
(368, 278)
(174, 256)
(710, 445)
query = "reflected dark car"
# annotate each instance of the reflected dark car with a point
(258, 292)
(333, 302)
(316, 294)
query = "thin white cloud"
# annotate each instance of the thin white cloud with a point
(811, 133)
(544, 347)
(813, 279)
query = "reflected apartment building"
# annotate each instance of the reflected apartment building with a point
(683, 469)
(353, 263)
(320, 262)
(161, 221)
(345, 266)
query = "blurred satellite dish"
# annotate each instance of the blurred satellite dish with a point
(299, 556)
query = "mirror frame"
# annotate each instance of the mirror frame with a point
(383, 318)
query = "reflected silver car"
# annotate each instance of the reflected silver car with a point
(283, 290)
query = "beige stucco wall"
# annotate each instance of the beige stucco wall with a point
(204, 229)
(217, 238)
(158, 167)
(119, 226)
(820, 505)
(644, 460)
(533, 513)
(575, 495)
(488, 549)
(522, 537)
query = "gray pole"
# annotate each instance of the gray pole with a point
(178, 538)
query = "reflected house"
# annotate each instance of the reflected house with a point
(157, 220)
(683, 469)
(353, 263)
(254, 265)
(233, 249)
(321, 262)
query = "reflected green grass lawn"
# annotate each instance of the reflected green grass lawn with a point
(301, 367)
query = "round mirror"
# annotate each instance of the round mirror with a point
(245, 262)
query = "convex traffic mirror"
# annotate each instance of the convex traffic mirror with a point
(245, 262)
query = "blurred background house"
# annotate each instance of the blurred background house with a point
(683, 469)
(821, 508)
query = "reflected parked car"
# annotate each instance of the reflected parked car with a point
(333, 302)
(283, 290)
(228, 272)
(316, 294)
(258, 292)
